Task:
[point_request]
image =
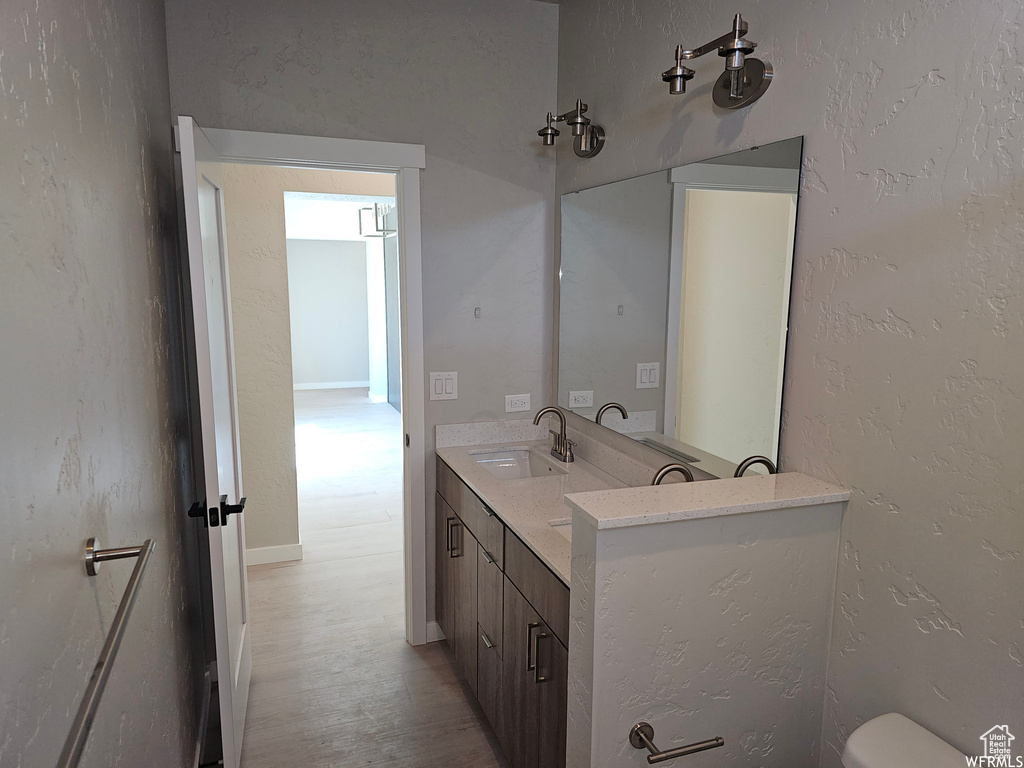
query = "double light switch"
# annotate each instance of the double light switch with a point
(444, 386)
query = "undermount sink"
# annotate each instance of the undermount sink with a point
(516, 464)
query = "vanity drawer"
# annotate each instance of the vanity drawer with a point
(489, 582)
(485, 525)
(448, 484)
(481, 521)
(544, 591)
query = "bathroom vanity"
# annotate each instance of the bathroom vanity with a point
(594, 615)
(577, 599)
(502, 584)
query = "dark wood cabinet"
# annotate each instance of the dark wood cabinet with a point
(519, 705)
(535, 676)
(552, 659)
(464, 557)
(455, 551)
(506, 617)
(443, 578)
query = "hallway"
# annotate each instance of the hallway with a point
(334, 683)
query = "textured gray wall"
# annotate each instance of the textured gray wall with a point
(90, 382)
(469, 79)
(904, 370)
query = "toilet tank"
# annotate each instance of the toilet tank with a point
(893, 741)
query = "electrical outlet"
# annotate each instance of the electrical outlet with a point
(648, 375)
(444, 386)
(581, 399)
(515, 403)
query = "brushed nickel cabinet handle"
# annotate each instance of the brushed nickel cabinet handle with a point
(537, 676)
(448, 534)
(486, 639)
(531, 661)
(487, 556)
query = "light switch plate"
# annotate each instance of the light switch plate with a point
(444, 386)
(514, 403)
(581, 399)
(648, 375)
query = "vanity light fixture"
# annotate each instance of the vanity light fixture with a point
(745, 78)
(589, 137)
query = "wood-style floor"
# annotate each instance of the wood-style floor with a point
(334, 683)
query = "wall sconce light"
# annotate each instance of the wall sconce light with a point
(589, 137)
(745, 78)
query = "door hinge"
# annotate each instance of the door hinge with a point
(406, 439)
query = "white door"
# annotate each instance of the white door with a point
(211, 314)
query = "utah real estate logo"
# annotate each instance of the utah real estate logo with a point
(998, 750)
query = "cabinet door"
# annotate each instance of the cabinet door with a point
(443, 568)
(490, 587)
(464, 605)
(520, 732)
(489, 681)
(552, 694)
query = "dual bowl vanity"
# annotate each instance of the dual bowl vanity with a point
(579, 600)
(592, 614)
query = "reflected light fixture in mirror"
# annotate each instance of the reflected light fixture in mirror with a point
(745, 78)
(588, 136)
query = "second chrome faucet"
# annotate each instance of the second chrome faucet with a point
(562, 447)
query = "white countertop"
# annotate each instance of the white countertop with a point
(626, 507)
(529, 505)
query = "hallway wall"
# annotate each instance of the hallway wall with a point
(93, 429)
(904, 368)
(469, 79)
(328, 308)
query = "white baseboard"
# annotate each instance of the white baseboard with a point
(434, 632)
(377, 398)
(282, 553)
(332, 385)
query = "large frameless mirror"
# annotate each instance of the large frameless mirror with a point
(674, 303)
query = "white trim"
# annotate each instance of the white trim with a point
(736, 177)
(413, 394)
(314, 151)
(676, 277)
(404, 160)
(332, 385)
(434, 632)
(281, 553)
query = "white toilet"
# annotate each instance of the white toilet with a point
(893, 741)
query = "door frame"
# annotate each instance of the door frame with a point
(710, 177)
(405, 161)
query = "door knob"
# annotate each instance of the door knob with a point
(198, 509)
(230, 509)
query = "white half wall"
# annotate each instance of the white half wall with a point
(327, 302)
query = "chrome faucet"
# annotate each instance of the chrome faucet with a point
(668, 468)
(562, 447)
(608, 407)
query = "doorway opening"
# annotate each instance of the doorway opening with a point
(343, 296)
(222, 366)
